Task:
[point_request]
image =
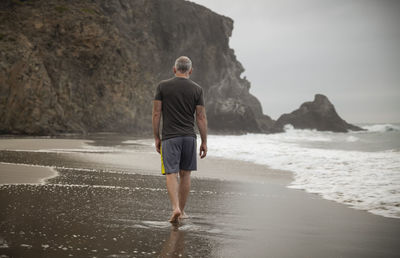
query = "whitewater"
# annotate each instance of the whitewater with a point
(359, 169)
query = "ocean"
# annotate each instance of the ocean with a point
(359, 169)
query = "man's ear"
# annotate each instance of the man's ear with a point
(174, 70)
(191, 70)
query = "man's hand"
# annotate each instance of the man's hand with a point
(203, 150)
(202, 125)
(158, 144)
(156, 117)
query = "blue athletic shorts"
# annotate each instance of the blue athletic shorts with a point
(178, 153)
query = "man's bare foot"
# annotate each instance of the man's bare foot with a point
(183, 216)
(175, 215)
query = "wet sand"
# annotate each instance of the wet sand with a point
(115, 204)
(24, 174)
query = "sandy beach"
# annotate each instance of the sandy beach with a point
(85, 199)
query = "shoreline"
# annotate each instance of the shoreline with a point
(212, 168)
(146, 161)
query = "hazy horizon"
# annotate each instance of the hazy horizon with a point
(346, 50)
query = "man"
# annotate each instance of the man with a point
(177, 100)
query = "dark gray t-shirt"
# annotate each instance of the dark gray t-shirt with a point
(179, 97)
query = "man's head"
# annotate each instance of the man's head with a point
(183, 66)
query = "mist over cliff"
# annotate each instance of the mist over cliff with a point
(80, 66)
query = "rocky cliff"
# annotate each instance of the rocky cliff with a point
(318, 114)
(92, 66)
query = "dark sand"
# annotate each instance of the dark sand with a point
(114, 204)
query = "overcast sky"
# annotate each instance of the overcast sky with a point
(348, 50)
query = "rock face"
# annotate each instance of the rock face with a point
(319, 114)
(92, 66)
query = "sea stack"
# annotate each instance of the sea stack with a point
(319, 114)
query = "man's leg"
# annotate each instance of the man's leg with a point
(184, 189)
(173, 192)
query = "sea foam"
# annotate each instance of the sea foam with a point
(381, 128)
(367, 180)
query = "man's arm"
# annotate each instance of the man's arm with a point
(201, 120)
(156, 117)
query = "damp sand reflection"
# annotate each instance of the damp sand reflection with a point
(175, 245)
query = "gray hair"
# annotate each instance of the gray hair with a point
(183, 64)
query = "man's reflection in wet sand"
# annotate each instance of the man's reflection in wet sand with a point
(174, 246)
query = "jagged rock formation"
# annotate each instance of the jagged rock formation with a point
(319, 114)
(92, 66)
